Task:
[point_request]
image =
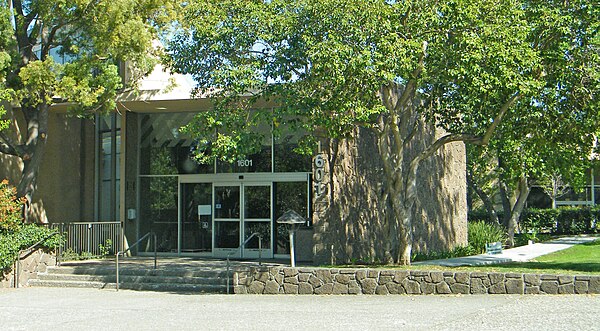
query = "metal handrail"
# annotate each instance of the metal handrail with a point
(18, 261)
(255, 234)
(132, 246)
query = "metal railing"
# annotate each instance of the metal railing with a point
(255, 234)
(17, 267)
(90, 238)
(132, 246)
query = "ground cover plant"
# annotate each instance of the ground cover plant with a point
(14, 234)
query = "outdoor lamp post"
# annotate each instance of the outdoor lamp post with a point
(294, 220)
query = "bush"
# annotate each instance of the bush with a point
(481, 233)
(14, 235)
(564, 220)
(27, 235)
(539, 220)
(456, 252)
(10, 209)
(575, 220)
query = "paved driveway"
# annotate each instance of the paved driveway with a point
(89, 309)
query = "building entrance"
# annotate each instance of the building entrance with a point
(241, 209)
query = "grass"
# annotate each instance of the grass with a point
(579, 259)
(583, 258)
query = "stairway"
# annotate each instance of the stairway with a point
(141, 278)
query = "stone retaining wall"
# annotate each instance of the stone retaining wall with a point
(369, 281)
(31, 264)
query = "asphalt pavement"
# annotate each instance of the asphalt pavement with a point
(89, 309)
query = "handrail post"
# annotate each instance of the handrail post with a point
(260, 250)
(227, 273)
(117, 261)
(155, 239)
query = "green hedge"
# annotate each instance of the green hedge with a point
(12, 242)
(564, 220)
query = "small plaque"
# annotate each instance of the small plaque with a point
(205, 225)
(217, 206)
(204, 210)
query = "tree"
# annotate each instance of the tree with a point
(91, 37)
(554, 132)
(387, 66)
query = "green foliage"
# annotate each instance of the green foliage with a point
(576, 220)
(14, 235)
(564, 220)
(25, 236)
(10, 209)
(539, 220)
(459, 251)
(74, 52)
(106, 248)
(481, 233)
(324, 63)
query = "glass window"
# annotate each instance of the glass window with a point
(286, 160)
(158, 211)
(164, 150)
(108, 176)
(288, 196)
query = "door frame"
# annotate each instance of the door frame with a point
(239, 179)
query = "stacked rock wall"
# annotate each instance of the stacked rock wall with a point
(30, 265)
(371, 281)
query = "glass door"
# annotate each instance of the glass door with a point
(257, 219)
(196, 218)
(227, 219)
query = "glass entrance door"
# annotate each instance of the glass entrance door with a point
(241, 210)
(257, 219)
(196, 218)
(227, 219)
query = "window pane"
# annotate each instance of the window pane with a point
(158, 211)
(227, 234)
(263, 229)
(227, 202)
(288, 196)
(164, 150)
(286, 160)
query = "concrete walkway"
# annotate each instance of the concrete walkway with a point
(517, 254)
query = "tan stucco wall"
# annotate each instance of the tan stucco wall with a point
(346, 218)
(66, 178)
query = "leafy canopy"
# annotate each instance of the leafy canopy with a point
(323, 63)
(57, 50)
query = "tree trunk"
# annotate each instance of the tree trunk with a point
(487, 202)
(37, 134)
(516, 211)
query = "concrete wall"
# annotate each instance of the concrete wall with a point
(66, 178)
(347, 218)
(370, 281)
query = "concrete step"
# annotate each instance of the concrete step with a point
(161, 287)
(111, 278)
(138, 271)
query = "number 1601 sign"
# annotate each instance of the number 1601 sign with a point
(244, 163)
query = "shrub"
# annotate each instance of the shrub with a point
(27, 235)
(539, 220)
(458, 251)
(10, 208)
(481, 233)
(564, 220)
(14, 235)
(574, 220)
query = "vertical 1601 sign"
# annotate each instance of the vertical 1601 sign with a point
(319, 175)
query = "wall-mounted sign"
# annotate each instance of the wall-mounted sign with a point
(319, 175)
(204, 210)
(205, 225)
(244, 163)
